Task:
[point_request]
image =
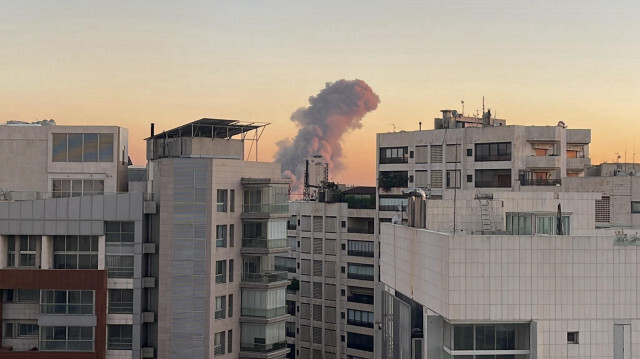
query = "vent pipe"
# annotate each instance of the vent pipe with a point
(152, 129)
(416, 207)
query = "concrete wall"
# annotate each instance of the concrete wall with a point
(564, 283)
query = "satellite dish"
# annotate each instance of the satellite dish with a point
(396, 219)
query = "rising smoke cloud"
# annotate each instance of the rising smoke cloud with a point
(336, 110)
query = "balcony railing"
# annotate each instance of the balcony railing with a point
(360, 298)
(360, 230)
(264, 313)
(262, 348)
(283, 268)
(266, 208)
(264, 243)
(360, 323)
(540, 182)
(265, 277)
(120, 272)
(360, 276)
(360, 253)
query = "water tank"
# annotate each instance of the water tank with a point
(416, 207)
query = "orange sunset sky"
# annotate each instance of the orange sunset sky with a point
(130, 63)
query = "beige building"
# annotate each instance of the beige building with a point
(333, 248)
(221, 223)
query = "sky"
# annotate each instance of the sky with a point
(130, 63)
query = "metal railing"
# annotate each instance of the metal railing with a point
(264, 243)
(265, 277)
(356, 253)
(266, 208)
(262, 348)
(540, 182)
(360, 230)
(360, 298)
(360, 276)
(264, 313)
(120, 272)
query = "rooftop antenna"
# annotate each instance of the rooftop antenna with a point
(394, 126)
(462, 102)
(482, 106)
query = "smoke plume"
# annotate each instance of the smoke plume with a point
(336, 110)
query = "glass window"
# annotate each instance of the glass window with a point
(28, 251)
(394, 155)
(463, 337)
(221, 236)
(119, 337)
(485, 337)
(230, 270)
(360, 271)
(63, 188)
(232, 200)
(90, 148)
(79, 339)
(120, 301)
(105, 147)
(230, 305)
(360, 248)
(221, 307)
(232, 234)
(360, 318)
(635, 206)
(493, 151)
(75, 252)
(119, 233)
(59, 147)
(221, 271)
(218, 343)
(119, 266)
(11, 252)
(360, 341)
(76, 302)
(74, 143)
(28, 295)
(222, 200)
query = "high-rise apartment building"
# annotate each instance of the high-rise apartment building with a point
(334, 256)
(221, 222)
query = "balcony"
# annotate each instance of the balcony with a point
(578, 163)
(544, 133)
(360, 276)
(262, 348)
(543, 162)
(264, 243)
(264, 313)
(357, 253)
(265, 277)
(540, 182)
(579, 136)
(265, 208)
(360, 298)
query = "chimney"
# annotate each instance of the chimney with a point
(152, 129)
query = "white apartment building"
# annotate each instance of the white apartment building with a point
(71, 245)
(334, 258)
(221, 222)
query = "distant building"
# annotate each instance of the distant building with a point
(333, 245)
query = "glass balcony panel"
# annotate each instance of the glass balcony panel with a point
(265, 277)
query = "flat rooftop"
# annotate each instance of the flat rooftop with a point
(211, 128)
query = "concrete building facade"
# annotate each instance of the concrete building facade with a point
(334, 257)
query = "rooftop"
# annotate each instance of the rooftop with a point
(211, 128)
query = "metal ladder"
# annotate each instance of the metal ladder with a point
(485, 214)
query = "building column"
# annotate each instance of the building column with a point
(46, 254)
(102, 247)
(4, 249)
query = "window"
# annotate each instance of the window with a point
(360, 271)
(361, 248)
(232, 235)
(360, 341)
(63, 188)
(501, 337)
(393, 204)
(76, 339)
(75, 252)
(469, 152)
(230, 270)
(222, 200)
(221, 236)
(391, 179)
(119, 266)
(572, 337)
(28, 251)
(290, 329)
(635, 206)
(218, 343)
(603, 210)
(221, 271)
(453, 179)
(119, 233)
(287, 264)
(549, 225)
(82, 147)
(221, 307)
(76, 302)
(230, 306)
(519, 223)
(454, 153)
(360, 318)
(8, 331)
(436, 154)
(393, 155)
(120, 301)
(493, 178)
(469, 178)
(232, 200)
(499, 151)
(27, 330)
(229, 341)
(119, 337)
(11, 252)
(28, 295)
(436, 179)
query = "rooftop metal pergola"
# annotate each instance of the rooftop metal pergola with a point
(217, 128)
